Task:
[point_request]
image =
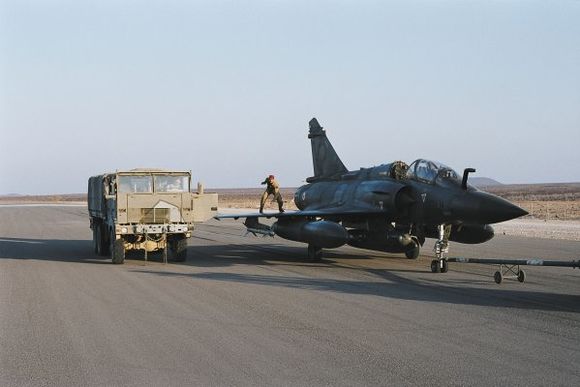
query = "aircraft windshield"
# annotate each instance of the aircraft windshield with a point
(428, 171)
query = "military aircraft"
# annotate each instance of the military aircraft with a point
(391, 207)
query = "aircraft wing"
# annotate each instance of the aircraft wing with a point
(322, 213)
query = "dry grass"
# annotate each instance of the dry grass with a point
(537, 192)
(551, 209)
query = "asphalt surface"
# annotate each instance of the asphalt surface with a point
(254, 311)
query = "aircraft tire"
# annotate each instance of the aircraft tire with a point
(435, 266)
(413, 251)
(522, 276)
(314, 253)
(445, 266)
(498, 277)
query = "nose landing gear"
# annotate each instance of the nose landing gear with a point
(439, 265)
(441, 248)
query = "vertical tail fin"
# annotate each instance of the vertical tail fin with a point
(327, 164)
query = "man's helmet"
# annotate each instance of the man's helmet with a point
(271, 177)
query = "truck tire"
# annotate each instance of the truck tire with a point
(117, 250)
(102, 242)
(178, 249)
(95, 239)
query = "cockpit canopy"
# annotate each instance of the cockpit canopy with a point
(428, 171)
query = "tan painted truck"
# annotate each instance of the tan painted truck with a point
(146, 209)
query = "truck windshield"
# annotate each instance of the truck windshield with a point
(135, 184)
(171, 183)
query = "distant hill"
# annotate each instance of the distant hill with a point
(483, 182)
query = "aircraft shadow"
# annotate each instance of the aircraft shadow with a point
(396, 287)
(272, 253)
(388, 283)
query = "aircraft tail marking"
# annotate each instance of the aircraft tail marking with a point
(327, 164)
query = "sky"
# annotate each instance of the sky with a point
(226, 88)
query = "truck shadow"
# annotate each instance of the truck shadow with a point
(62, 250)
(50, 250)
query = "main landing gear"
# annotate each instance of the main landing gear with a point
(314, 253)
(440, 264)
(413, 250)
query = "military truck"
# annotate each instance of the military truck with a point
(146, 209)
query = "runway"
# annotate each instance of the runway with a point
(254, 311)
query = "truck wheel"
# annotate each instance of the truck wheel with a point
(95, 239)
(178, 249)
(117, 250)
(102, 245)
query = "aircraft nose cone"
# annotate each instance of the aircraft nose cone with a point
(485, 208)
(497, 209)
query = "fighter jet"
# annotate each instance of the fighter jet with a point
(391, 207)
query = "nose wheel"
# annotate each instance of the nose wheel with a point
(439, 265)
(441, 248)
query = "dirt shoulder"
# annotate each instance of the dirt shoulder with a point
(538, 228)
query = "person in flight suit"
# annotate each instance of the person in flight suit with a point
(399, 170)
(272, 188)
